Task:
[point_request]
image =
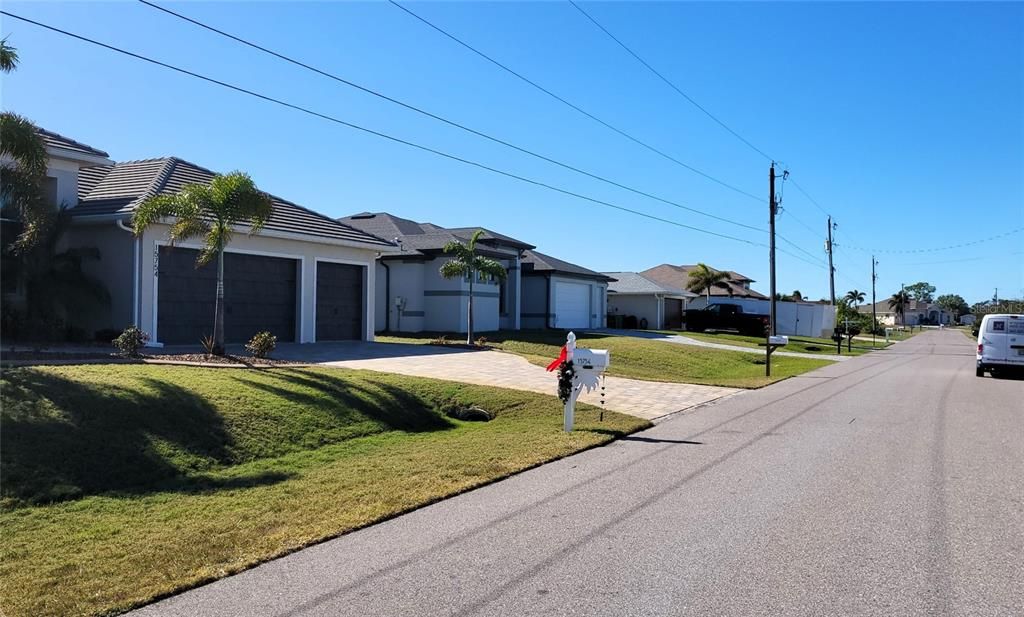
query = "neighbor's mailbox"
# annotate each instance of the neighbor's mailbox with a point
(778, 340)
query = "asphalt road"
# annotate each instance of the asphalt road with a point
(891, 484)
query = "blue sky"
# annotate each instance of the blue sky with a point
(902, 120)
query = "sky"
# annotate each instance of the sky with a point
(904, 121)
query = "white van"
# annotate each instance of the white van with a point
(1000, 343)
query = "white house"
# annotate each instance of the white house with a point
(304, 277)
(915, 313)
(558, 294)
(651, 304)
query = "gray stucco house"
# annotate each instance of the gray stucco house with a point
(539, 291)
(305, 277)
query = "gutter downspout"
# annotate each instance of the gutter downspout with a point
(387, 296)
(547, 303)
(135, 270)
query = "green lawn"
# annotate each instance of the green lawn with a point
(644, 359)
(122, 483)
(799, 344)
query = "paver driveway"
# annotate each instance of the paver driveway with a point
(646, 399)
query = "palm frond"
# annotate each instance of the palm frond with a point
(490, 267)
(8, 57)
(454, 269)
(153, 209)
(19, 139)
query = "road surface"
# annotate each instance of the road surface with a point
(891, 484)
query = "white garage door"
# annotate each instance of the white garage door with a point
(572, 305)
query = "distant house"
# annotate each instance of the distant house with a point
(967, 320)
(916, 313)
(652, 304)
(736, 286)
(539, 290)
(305, 277)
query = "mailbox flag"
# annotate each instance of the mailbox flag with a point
(561, 358)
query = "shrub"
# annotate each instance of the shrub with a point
(130, 341)
(208, 344)
(481, 342)
(261, 344)
(441, 340)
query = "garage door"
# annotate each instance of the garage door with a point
(339, 302)
(259, 294)
(572, 305)
(673, 313)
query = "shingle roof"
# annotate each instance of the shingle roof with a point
(679, 276)
(539, 262)
(56, 140)
(882, 306)
(636, 283)
(417, 239)
(119, 188)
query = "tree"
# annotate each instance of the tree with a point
(23, 170)
(211, 211)
(922, 292)
(953, 304)
(465, 262)
(702, 279)
(854, 297)
(898, 304)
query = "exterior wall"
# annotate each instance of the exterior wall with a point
(533, 308)
(650, 307)
(598, 298)
(307, 253)
(66, 173)
(509, 315)
(406, 284)
(115, 268)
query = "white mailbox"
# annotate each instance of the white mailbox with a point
(590, 359)
(778, 340)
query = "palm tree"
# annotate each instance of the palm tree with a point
(211, 211)
(24, 168)
(465, 262)
(702, 279)
(855, 297)
(899, 303)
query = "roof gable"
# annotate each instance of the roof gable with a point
(546, 263)
(56, 140)
(636, 283)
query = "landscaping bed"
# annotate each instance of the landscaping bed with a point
(645, 359)
(126, 482)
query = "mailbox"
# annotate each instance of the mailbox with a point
(778, 340)
(591, 359)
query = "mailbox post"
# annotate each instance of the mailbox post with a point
(774, 342)
(588, 366)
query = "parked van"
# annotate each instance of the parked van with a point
(1000, 343)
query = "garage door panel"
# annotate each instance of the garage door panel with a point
(572, 305)
(339, 302)
(259, 294)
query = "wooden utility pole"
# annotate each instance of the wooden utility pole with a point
(874, 309)
(771, 270)
(831, 270)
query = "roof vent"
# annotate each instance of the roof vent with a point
(363, 215)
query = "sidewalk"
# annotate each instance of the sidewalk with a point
(679, 339)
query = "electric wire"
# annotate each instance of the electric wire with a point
(448, 121)
(572, 105)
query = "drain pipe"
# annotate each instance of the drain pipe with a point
(135, 270)
(547, 303)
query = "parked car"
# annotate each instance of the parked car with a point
(1000, 344)
(725, 317)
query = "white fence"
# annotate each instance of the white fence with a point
(792, 318)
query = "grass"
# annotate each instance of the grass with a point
(645, 359)
(124, 483)
(798, 344)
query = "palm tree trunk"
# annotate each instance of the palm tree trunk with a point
(469, 331)
(218, 318)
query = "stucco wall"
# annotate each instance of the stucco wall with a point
(649, 307)
(533, 309)
(407, 278)
(114, 268)
(306, 252)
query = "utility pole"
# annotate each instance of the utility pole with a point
(771, 269)
(831, 270)
(874, 309)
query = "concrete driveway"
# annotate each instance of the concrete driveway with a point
(645, 399)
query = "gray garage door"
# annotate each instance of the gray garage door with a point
(339, 302)
(259, 294)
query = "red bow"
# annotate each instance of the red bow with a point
(561, 358)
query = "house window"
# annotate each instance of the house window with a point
(50, 191)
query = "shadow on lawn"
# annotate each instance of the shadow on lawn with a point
(63, 439)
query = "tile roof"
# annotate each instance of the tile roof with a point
(636, 283)
(418, 239)
(119, 188)
(56, 140)
(679, 277)
(539, 262)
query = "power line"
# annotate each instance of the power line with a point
(669, 83)
(447, 121)
(940, 248)
(376, 133)
(572, 105)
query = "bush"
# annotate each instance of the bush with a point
(261, 344)
(481, 342)
(441, 340)
(208, 344)
(131, 340)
